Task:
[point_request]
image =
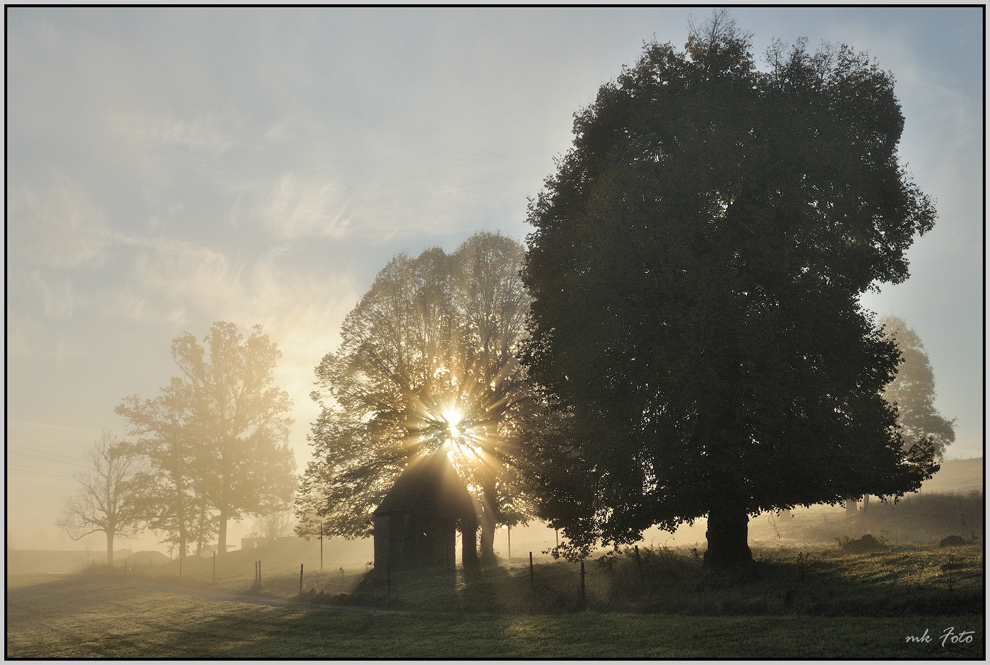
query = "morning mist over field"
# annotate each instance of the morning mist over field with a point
(495, 333)
(160, 180)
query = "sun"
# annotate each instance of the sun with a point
(460, 438)
(453, 418)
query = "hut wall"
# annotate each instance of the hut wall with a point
(409, 541)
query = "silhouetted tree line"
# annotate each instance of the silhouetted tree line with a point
(682, 338)
(212, 447)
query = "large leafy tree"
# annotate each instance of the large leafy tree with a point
(427, 360)
(240, 418)
(164, 436)
(696, 268)
(108, 498)
(912, 391)
(217, 437)
(924, 431)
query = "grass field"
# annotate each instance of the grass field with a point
(822, 603)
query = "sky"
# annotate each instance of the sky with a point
(167, 168)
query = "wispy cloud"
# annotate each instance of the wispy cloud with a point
(215, 133)
(172, 278)
(179, 283)
(50, 295)
(60, 226)
(185, 287)
(32, 336)
(299, 206)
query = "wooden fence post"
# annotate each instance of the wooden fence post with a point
(214, 566)
(582, 581)
(531, 583)
(180, 567)
(300, 578)
(639, 564)
(388, 579)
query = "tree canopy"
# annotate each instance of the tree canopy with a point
(427, 360)
(695, 269)
(912, 391)
(217, 437)
(164, 436)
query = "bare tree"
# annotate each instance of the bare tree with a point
(107, 500)
(277, 524)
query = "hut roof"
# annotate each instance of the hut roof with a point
(428, 484)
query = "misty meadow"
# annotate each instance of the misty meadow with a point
(348, 392)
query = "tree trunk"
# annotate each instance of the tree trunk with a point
(488, 557)
(222, 537)
(110, 548)
(728, 531)
(488, 524)
(181, 516)
(201, 530)
(851, 507)
(469, 543)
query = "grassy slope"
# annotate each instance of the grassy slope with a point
(54, 617)
(819, 603)
(807, 601)
(961, 475)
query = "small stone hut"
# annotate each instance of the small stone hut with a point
(415, 525)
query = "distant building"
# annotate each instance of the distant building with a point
(416, 523)
(255, 542)
(251, 543)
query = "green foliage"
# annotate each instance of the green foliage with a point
(427, 360)
(696, 268)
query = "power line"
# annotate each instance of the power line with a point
(44, 472)
(27, 465)
(39, 450)
(45, 459)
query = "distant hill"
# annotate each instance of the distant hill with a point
(55, 561)
(956, 476)
(69, 561)
(337, 552)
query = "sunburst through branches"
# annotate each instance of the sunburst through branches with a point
(427, 363)
(463, 429)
